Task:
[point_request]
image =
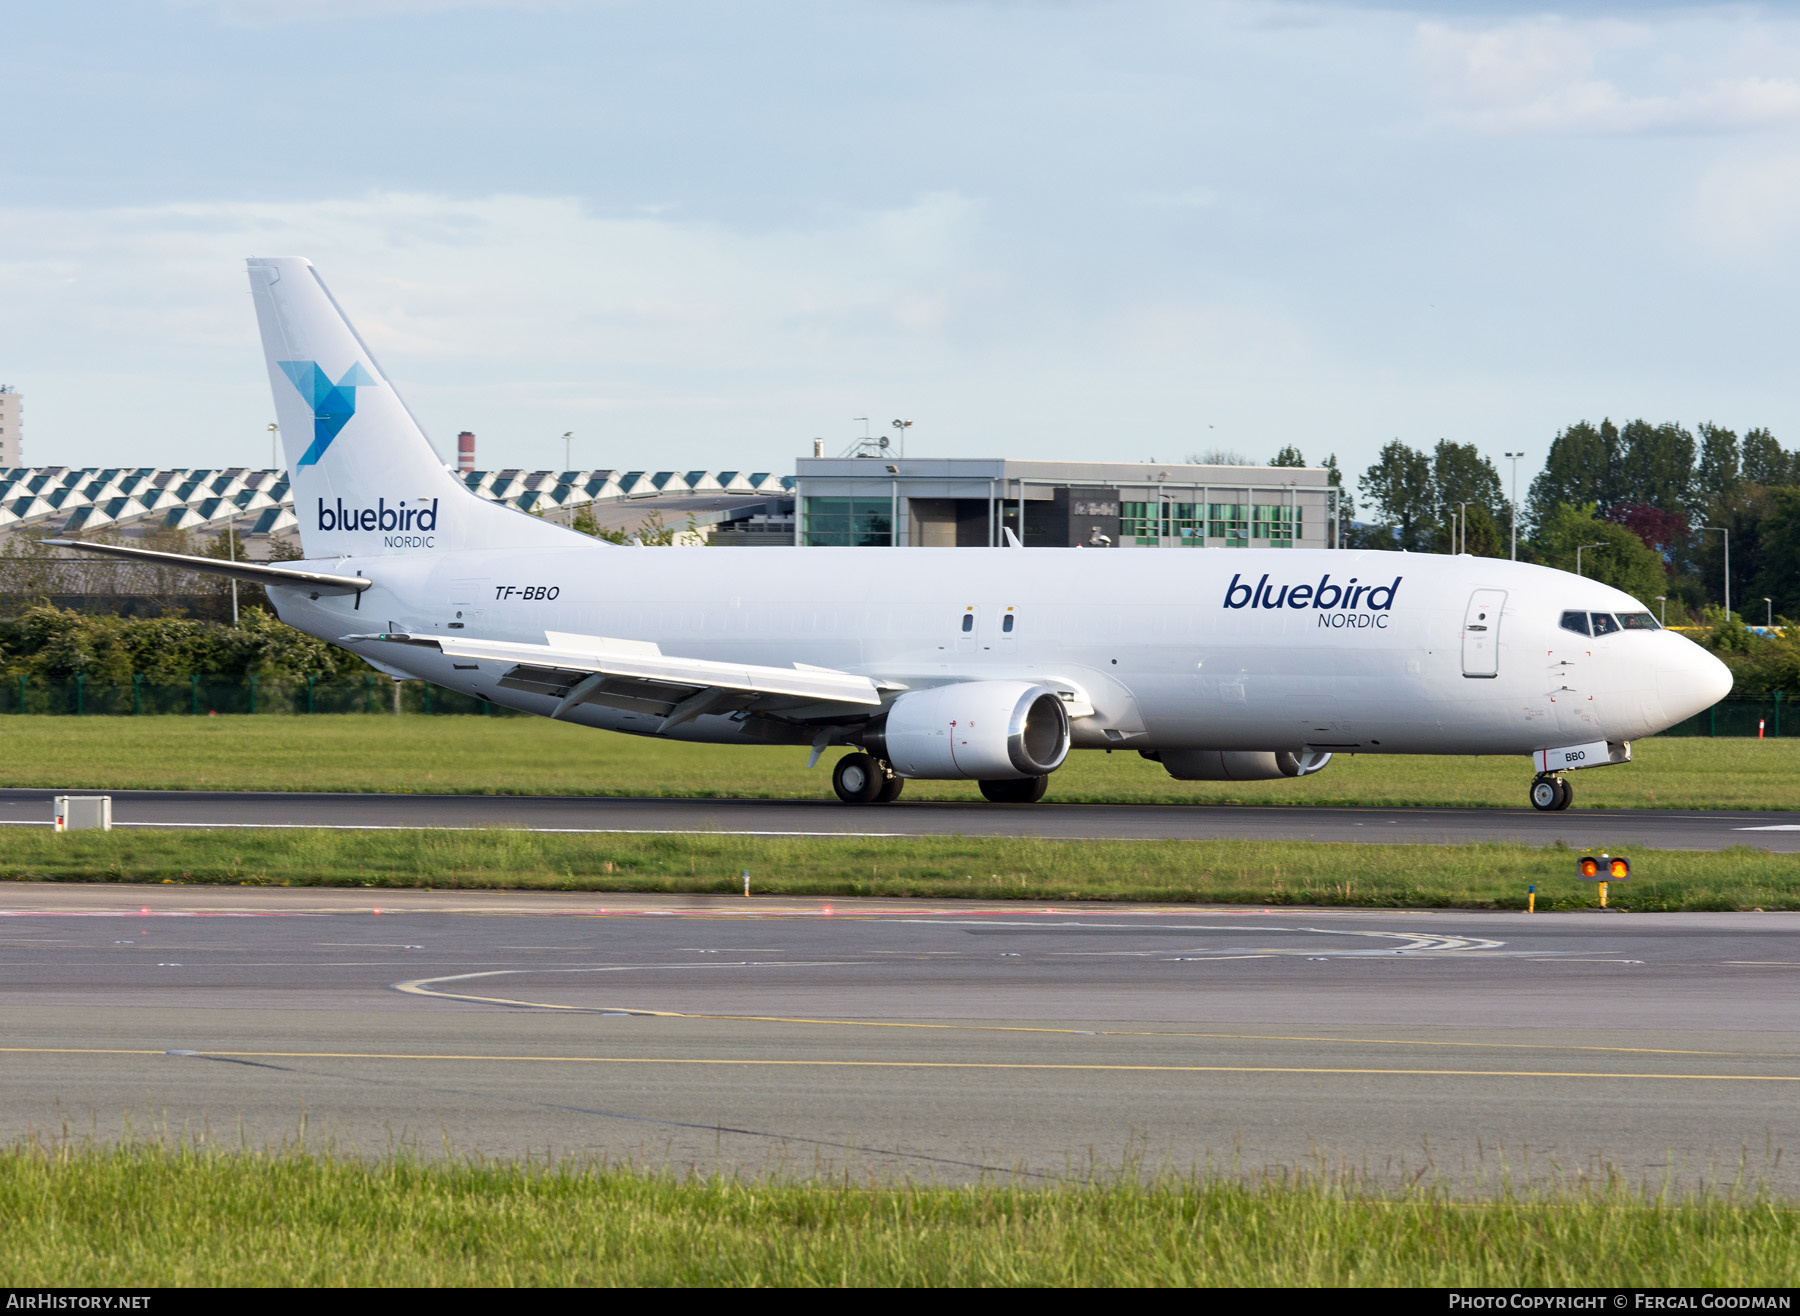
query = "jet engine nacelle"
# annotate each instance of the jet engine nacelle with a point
(1237, 764)
(975, 730)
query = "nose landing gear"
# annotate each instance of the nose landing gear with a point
(1551, 793)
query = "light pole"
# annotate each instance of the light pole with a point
(1578, 555)
(903, 426)
(1462, 534)
(568, 449)
(1513, 457)
(1663, 619)
(274, 461)
(1770, 604)
(1722, 530)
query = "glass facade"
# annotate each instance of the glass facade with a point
(848, 522)
(1269, 525)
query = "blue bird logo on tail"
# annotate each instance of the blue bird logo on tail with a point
(332, 404)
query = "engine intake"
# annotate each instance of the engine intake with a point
(1237, 764)
(974, 730)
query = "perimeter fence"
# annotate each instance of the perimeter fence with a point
(200, 696)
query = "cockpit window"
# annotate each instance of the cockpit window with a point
(1638, 621)
(1575, 621)
(1604, 623)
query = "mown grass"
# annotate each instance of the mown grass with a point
(148, 1216)
(534, 756)
(1487, 876)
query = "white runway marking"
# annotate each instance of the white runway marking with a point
(497, 827)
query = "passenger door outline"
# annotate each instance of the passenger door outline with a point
(1481, 634)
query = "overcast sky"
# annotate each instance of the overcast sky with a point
(701, 233)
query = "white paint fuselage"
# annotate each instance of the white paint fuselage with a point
(1145, 634)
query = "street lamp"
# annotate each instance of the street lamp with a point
(903, 426)
(1663, 599)
(274, 462)
(1462, 536)
(568, 450)
(1770, 604)
(1513, 457)
(1578, 555)
(1722, 530)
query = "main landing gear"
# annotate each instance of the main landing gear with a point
(865, 779)
(1551, 793)
(1017, 790)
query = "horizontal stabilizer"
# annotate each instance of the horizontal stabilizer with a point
(257, 573)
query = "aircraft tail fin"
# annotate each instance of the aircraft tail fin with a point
(366, 480)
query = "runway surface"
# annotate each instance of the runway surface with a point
(1643, 828)
(905, 1037)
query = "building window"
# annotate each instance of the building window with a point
(1277, 526)
(1186, 524)
(1138, 523)
(1230, 522)
(848, 522)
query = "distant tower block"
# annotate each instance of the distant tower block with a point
(465, 451)
(11, 405)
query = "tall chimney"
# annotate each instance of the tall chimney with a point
(465, 451)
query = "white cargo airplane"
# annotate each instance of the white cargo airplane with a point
(982, 664)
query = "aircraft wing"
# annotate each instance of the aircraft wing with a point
(638, 676)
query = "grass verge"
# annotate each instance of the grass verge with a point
(156, 1216)
(1489, 876)
(534, 756)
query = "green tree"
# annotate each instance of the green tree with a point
(1622, 560)
(1460, 474)
(1288, 456)
(1655, 466)
(1581, 467)
(1398, 486)
(1778, 573)
(1335, 479)
(1766, 462)
(1485, 536)
(1720, 465)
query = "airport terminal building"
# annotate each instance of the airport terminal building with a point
(970, 502)
(844, 501)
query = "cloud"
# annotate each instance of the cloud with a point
(1747, 207)
(256, 13)
(1543, 76)
(513, 314)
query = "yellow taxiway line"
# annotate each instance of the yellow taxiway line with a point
(979, 1065)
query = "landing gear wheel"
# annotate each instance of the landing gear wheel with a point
(858, 779)
(1547, 793)
(891, 788)
(1568, 793)
(1019, 790)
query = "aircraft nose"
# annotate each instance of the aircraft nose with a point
(1689, 679)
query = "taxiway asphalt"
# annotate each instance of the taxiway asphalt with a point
(936, 1040)
(1601, 828)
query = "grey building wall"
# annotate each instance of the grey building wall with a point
(11, 440)
(973, 501)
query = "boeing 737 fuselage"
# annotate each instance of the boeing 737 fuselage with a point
(981, 664)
